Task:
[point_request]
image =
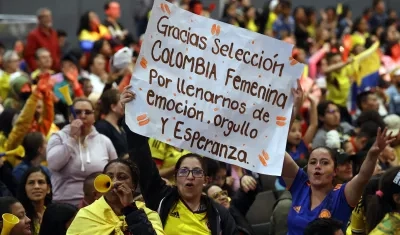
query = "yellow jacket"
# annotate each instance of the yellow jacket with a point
(390, 225)
(24, 122)
(99, 219)
(93, 36)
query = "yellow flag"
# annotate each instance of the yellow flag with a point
(367, 62)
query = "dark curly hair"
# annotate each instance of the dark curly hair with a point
(135, 173)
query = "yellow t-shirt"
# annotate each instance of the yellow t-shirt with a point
(93, 36)
(359, 39)
(182, 221)
(312, 31)
(271, 20)
(390, 225)
(339, 94)
(357, 221)
(251, 25)
(4, 85)
(166, 153)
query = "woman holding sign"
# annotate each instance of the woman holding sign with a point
(183, 208)
(314, 194)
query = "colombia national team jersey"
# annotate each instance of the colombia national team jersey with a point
(334, 205)
(182, 221)
(166, 153)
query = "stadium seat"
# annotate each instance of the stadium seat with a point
(261, 229)
(261, 210)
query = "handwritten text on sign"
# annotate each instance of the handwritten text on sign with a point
(214, 89)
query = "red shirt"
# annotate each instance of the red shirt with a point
(40, 38)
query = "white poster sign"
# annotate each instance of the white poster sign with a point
(214, 89)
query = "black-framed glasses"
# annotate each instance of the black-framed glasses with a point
(184, 172)
(83, 111)
(332, 111)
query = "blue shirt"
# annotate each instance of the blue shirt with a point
(333, 206)
(377, 20)
(394, 99)
(299, 152)
(21, 168)
(282, 24)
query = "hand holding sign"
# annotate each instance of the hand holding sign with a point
(214, 89)
(126, 96)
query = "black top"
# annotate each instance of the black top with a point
(159, 196)
(117, 138)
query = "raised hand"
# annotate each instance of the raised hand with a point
(383, 139)
(298, 94)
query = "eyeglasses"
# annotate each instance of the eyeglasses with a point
(83, 111)
(332, 111)
(220, 194)
(184, 172)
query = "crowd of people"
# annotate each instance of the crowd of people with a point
(341, 171)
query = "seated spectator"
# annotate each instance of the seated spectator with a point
(394, 93)
(367, 100)
(326, 226)
(98, 74)
(103, 47)
(221, 179)
(10, 71)
(116, 212)
(13, 206)
(87, 87)
(369, 116)
(43, 62)
(34, 193)
(35, 145)
(344, 169)
(63, 41)
(393, 123)
(383, 215)
(329, 118)
(357, 223)
(57, 218)
(20, 90)
(240, 204)
(89, 192)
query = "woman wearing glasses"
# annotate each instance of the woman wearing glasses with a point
(183, 208)
(75, 152)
